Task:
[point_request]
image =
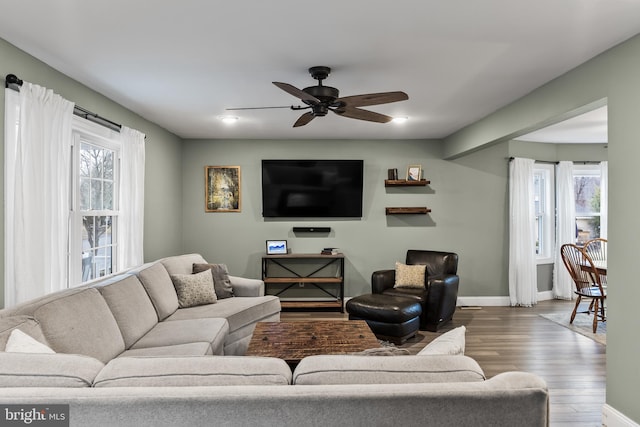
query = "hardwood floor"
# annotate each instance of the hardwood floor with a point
(518, 339)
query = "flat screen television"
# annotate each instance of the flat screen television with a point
(312, 188)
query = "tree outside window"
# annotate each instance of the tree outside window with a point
(587, 195)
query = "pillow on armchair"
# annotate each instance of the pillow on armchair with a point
(409, 276)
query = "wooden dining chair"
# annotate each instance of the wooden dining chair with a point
(587, 280)
(596, 249)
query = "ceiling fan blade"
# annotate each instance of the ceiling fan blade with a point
(304, 119)
(360, 114)
(373, 99)
(298, 93)
(256, 108)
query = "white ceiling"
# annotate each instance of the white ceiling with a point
(181, 64)
(587, 128)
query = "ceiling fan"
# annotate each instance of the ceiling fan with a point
(322, 99)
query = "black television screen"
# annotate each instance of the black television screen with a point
(312, 188)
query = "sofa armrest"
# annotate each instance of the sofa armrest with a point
(381, 280)
(244, 287)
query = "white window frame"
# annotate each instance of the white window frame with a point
(92, 133)
(547, 218)
(587, 170)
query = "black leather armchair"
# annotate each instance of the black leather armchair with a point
(438, 298)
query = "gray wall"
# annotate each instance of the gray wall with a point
(163, 178)
(614, 76)
(463, 199)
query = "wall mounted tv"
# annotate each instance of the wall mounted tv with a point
(312, 188)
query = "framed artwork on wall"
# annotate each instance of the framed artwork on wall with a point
(414, 172)
(276, 247)
(222, 189)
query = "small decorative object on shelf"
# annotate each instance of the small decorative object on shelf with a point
(392, 174)
(276, 247)
(330, 251)
(414, 172)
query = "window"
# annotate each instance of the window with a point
(586, 186)
(544, 197)
(95, 172)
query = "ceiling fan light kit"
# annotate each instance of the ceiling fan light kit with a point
(229, 119)
(321, 99)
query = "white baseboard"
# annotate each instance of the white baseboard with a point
(614, 418)
(496, 301)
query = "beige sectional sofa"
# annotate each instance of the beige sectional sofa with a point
(127, 355)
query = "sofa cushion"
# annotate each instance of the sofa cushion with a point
(213, 331)
(221, 279)
(19, 342)
(131, 307)
(189, 349)
(239, 312)
(27, 324)
(47, 370)
(81, 323)
(349, 369)
(452, 342)
(409, 276)
(159, 287)
(194, 289)
(182, 264)
(193, 371)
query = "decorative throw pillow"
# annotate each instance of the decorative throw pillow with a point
(194, 289)
(221, 280)
(19, 342)
(409, 276)
(450, 343)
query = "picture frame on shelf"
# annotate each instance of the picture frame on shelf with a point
(414, 172)
(277, 247)
(222, 189)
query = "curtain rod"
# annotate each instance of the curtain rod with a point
(584, 162)
(11, 81)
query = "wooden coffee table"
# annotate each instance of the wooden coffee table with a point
(295, 340)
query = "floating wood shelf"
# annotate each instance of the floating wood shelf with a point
(405, 183)
(407, 211)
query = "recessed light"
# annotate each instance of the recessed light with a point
(229, 119)
(400, 119)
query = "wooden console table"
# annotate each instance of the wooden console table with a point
(291, 276)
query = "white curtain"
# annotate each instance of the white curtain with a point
(37, 170)
(131, 218)
(604, 199)
(565, 228)
(523, 289)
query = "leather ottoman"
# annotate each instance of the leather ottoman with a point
(391, 318)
